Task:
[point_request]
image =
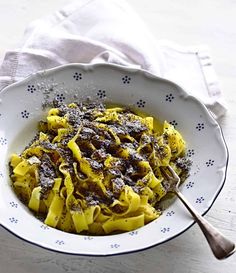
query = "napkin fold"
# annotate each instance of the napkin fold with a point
(95, 31)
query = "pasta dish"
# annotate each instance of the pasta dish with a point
(91, 169)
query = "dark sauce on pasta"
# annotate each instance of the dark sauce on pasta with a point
(123, 171)
(97, 145)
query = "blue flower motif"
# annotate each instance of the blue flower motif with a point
(174, 123)
(170, 213)
(89, 238)
(44, 227)
(40, 218)
(3, 141)
(141, 103)
(134, 232)
(13, 220)
(13, 204)
(189, 184)
(126, 79)
(101, 94)
(115, 246)
(190, 153)
(60, 242)
(200, 126)
(169, 97)
(199, 200)
(165, 229)
(31, 88)
(60, 97)
(1, 175)
(77, 76)
(210, 162)
(25, 114)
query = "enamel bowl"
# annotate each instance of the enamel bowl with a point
(22, 107)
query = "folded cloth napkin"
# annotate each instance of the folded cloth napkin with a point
(92, 31)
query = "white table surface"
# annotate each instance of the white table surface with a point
(186, 22)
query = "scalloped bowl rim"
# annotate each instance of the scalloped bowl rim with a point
(148, 75)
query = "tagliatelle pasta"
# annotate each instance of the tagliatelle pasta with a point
(96, 170)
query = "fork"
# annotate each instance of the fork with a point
(219, 244)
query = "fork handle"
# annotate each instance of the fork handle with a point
(219, 244)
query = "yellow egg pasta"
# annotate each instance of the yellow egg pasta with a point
(96, 170)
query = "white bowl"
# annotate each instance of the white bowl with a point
(21, 109)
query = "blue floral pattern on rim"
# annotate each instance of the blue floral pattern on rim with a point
(44, 227)
(115, 245)
(13, 220)
(165, 229)
(199, 200)
(88, 238)
(141, 103)
(174, 123)
(77, 76)
(3, 141)
(126, 79)
(190, 153)
(170, 213)
(31, 88)
(25, 114)
(200, 126)
(189, 185)
(59, 242)
(60, 97)
(170, 97)
(101, 93)
(210, 162)
(134, 232)
(13, 204)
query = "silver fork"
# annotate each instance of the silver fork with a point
(219, 244)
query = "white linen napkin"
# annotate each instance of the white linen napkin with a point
(110, 31)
